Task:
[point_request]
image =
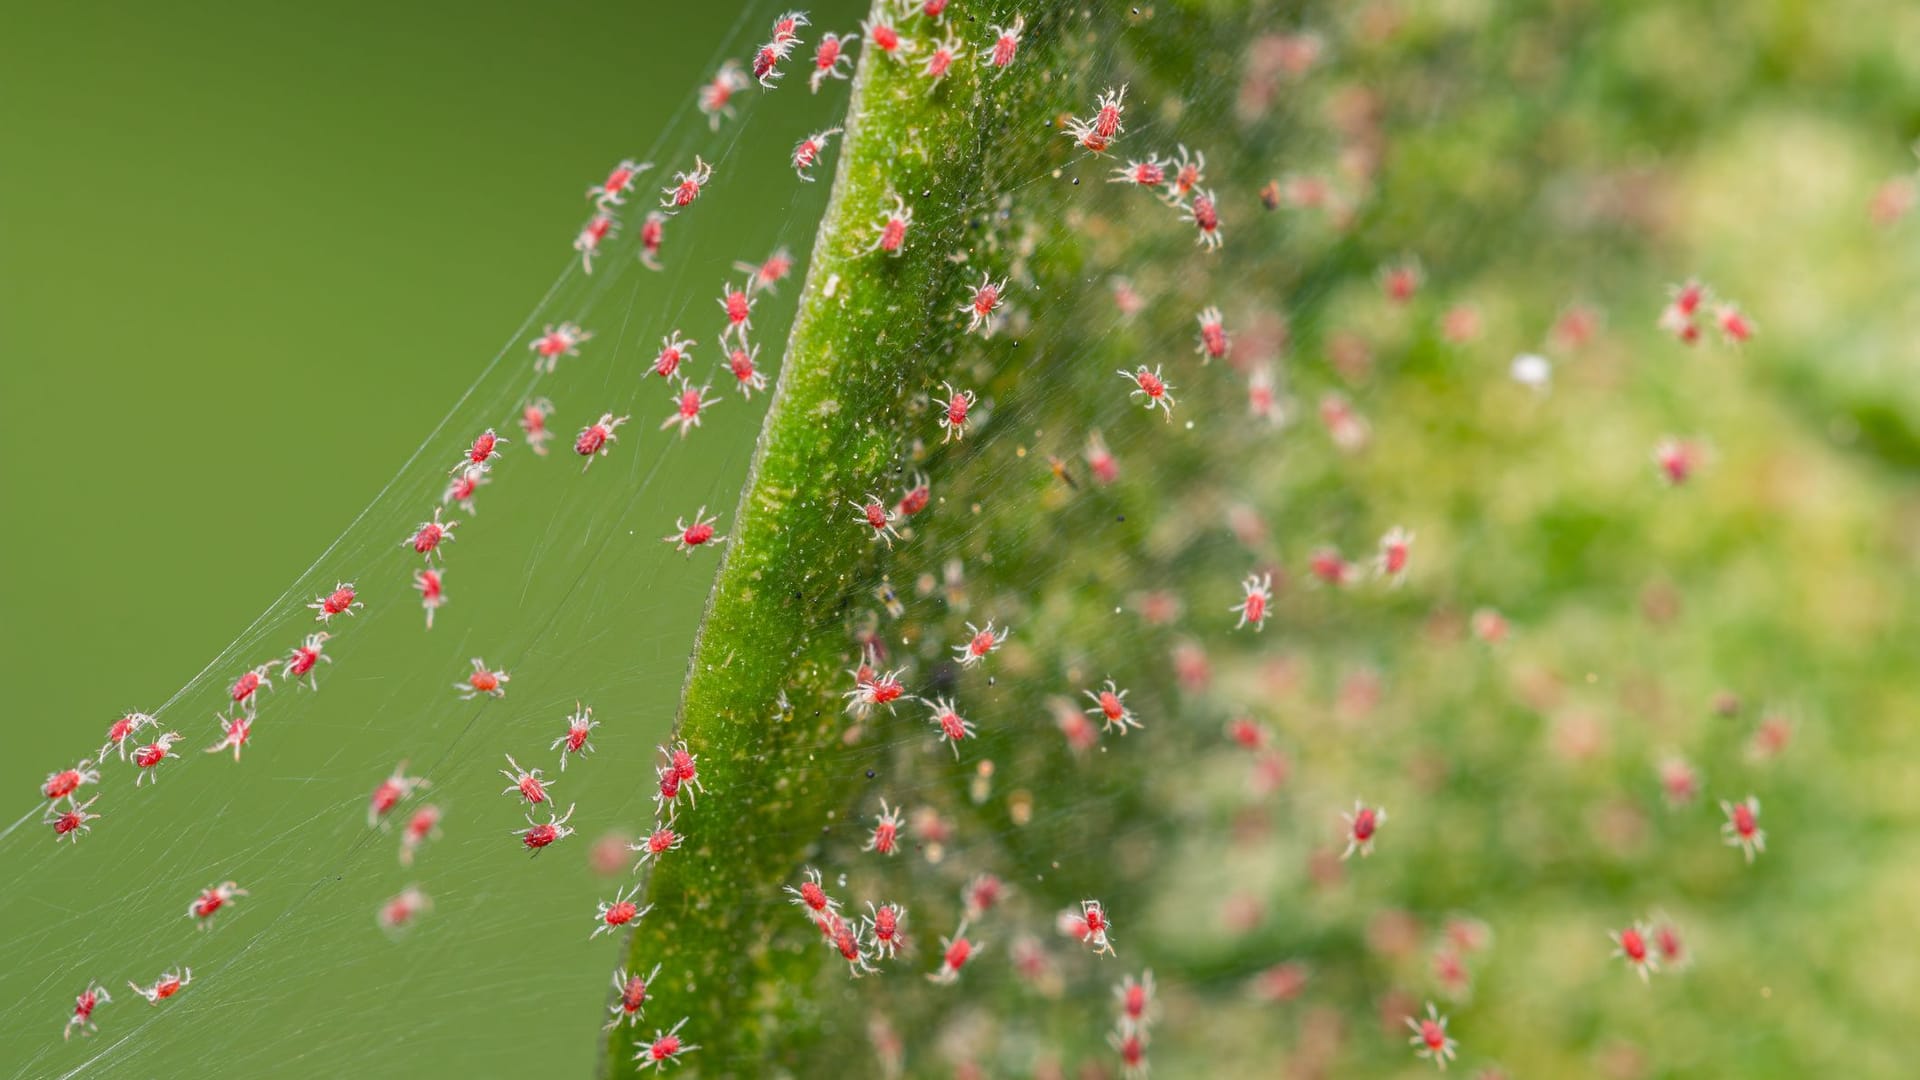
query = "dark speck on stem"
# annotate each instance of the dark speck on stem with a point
(1120, 517)
(870, 774)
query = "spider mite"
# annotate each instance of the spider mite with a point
(234, 733)
(1347, 428)
(533, 424)
(486, 446)
(884, 928)
(980, 643)
(593, 439)
(1247, 733)
(249, 684)
(463, 486)
(1631, 944)
(578, 738)
(538, 834)
(688, 401)
(389, 792)
(1327, 565)
(1262, 402)
(1005, 46)
(1150, 173)
(952, 727)
(399, 912)
(1097, 134)
(766, 63)
(1362, 825)
(1073, 724)
(807, 151)
(658, 842)
(1090, 925)
(613, 190)
(955, 951)
(305, 655)
(1213, 336)
(1673, 951)
(119, 731)
(745, 375)
(666, 1047)
(429, 535)
(530, 785)
(1189, 172)
(769, 273)
(431, 585)
(686, 537)
(1742, 828)
(482, 681)
(1252, 608)
(632, 994)
(71, 823)
(62, 784)
(738, 304)
(1110, 706)
(1677, 460)
(90, 999)
(553, 343)
(886, 831)
(674, 351)
(883, 689)
(845, 939)
(149, 757)
(1136, 998)
(1430, 1037)
(211, 900)
(716, 96)
(877, 516)
(1396, 548)
(830, 60)
(1400, 280)
(953, 416)
(422, 826)
(1150, 386)
(619, 912)
(685, 765)
(1100, 460)
(1205, 215)
(891, 230)
(165, 986)
(809, 895)
(1130, 1042)
(341, 601)
(982, 303)
(653, 232)
(598, 227)
(932, 9)
(940, 60)
(686, 186)
(883, 35)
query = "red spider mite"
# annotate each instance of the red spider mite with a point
(211, 900)
(538, 834)
(1073, 724)
(980, 643)
(786, 28)
(593, 439)
(120, 730)
(982, 303)
(578, 738)
(1247, 733)
(598, 227)
(1362, 825)
(686, 186)
(884, 928)
(613, 190)
(745, 375)
(530, 785)
(1734, 325)
(1262, 401)
(482, 681)
(71, 823)
(234, 733)
(631, 991)
(1110, 707)
(876, 516)
(399, 912)
(464, 485)
(686, 537)
(689, 401)
(89, 999)
(716, 96)
(1205, 216)
(429, 535)
(389, 792)
(1097, 134)
(1136, 997)
(1742, 828)
(665, 1048)
(618, 912)
(1131, 1045)
(940, 59)
(674, 351)
(305, 655)
(766, 63)
(1090, 925)
(890, 232)
(883, 35)
(1005, 45)
(1327, 565)
(1631, 944)
(149, 757)
(884, 689)
(533, 424)
(932, 9)
(62, 784)
(955, 951)
(807, 151)
(1150, 173)
(165, 986)
(830, 59)
(953, 416)
(341, 601)
(553, 343)
(658, 842)
(1189, 172)
(432, 588)
(1677, 460)
(738, 304)
(653, 232)
(485, 448)
(1396, 550)
(1259, 597)
(886, 831)
(249, 684)
(809, 895)
(1150, 386)
(953, 728)
(845, 939)
(1401, 280)
(769, 273)
(1430, 1037)
(423, 825)
(1100, 460)
(915, 499)
(1213, 335)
